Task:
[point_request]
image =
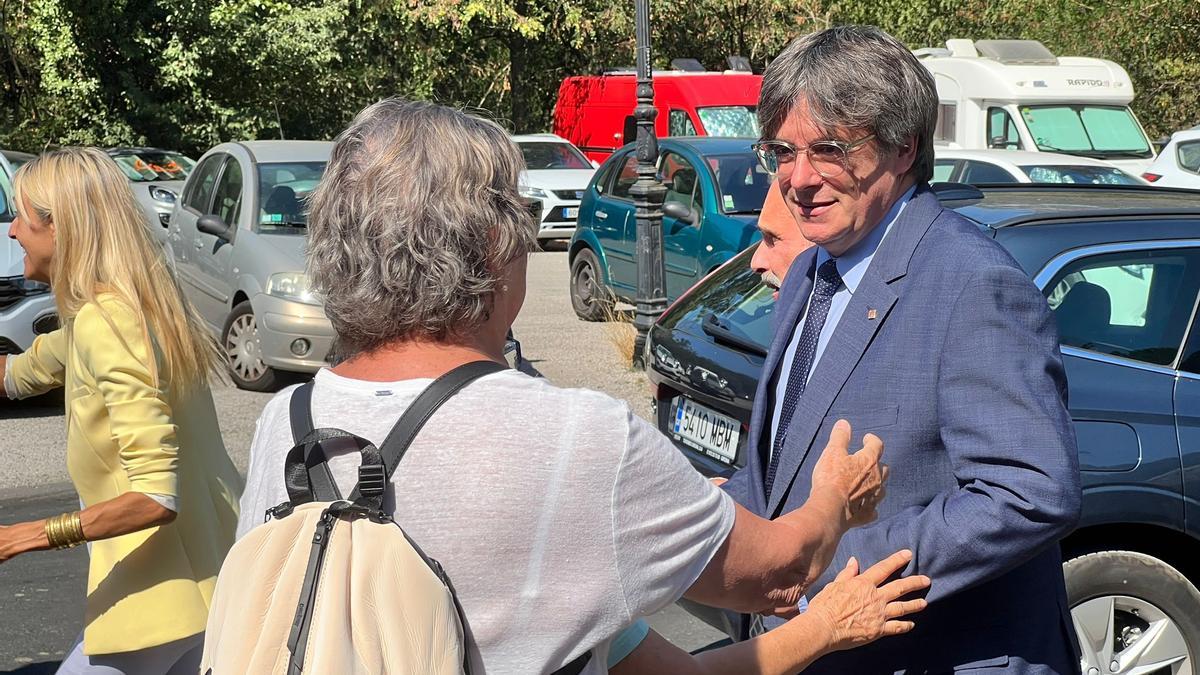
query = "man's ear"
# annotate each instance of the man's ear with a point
(906, 154)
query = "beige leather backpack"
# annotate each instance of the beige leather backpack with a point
(334, 586)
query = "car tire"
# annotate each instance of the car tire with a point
(590, 298)
(1120, 597)
(243, 350)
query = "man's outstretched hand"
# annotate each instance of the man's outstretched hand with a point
(857, 481)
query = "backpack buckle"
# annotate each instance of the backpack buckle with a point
(372, 480)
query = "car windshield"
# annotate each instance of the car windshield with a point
(545, 155)
(733, 306)
(730, 120)
(1088, 130)
(154, 165)
(283, 190)
(741, 180)
(1080, 175)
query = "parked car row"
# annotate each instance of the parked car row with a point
(1120, 267)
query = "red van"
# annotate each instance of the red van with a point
(595, 112)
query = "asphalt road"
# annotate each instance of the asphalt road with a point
(41, 595)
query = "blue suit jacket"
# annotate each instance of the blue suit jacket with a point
(949, 353)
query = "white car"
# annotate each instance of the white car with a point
(980, 167)
(557, 175)
(26, 307)
(1178, 165)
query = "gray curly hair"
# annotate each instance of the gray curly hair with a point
(856, 77)
(413, 222)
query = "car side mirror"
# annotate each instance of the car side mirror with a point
(212, 224)
(680, 211)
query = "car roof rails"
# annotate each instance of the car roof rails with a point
(688, 65)
(956, 192)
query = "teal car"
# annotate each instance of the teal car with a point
(715, 190)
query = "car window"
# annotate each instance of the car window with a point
(283, 190)
(741, 181)
(1002, 130)
(1189, 156)
(1134, 304)
(8, 207)
(730, 120)
(981, 173)
(604, 177)
(625, 178)
(229, 193)
(679, 124)
(942, 170)
(152, 165)
(199, 190)
(1078, 175)
(681, 179)
(541, 155)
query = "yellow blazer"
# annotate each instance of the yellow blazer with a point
(126, 432)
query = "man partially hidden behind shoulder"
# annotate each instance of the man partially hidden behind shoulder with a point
(907, 320)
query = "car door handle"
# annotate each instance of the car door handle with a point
(600, 215)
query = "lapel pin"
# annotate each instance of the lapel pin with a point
(871, 314)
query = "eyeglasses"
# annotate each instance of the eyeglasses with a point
(827, 158)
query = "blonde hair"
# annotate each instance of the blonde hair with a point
(103, 244)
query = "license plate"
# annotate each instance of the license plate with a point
(706, 430)
(570, 213)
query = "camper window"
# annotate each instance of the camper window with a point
(1002, 133)
(946, 122)
(732, 120)
(1090, 130)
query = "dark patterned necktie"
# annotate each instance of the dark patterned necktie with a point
(827, 282)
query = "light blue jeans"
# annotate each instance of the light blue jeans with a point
(174, 658)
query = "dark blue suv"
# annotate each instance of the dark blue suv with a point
(1121, 269)
(715, 190)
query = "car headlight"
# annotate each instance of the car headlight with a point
(162, 195)
(292, 286)
(31, 287)
(536, 193)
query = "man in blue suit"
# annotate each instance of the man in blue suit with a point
(909, 321)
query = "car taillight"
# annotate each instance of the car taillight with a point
(1152, 177)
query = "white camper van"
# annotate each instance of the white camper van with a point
(1017, 95)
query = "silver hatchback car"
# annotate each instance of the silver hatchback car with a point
(236, 237)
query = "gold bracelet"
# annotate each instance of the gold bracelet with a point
(65, 530)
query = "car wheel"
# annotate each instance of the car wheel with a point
(590, 298)
(244, 351)
(1133, 613)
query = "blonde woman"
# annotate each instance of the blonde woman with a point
(158, 492)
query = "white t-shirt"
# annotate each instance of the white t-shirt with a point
(559, 516)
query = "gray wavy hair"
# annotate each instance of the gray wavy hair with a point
(855, 77)
(413, 222)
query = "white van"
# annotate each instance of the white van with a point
(1017, 95)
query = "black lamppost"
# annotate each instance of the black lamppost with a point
(647, 195)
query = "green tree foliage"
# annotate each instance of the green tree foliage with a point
(190, 73)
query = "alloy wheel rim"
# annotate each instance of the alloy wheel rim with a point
(1123, 635)
(244, 348)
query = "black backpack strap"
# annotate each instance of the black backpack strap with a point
(324, 488)
(575, 667)
(300, 410)
(401, 436)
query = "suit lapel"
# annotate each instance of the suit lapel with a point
(851, 337)
(869, 307)
(794, 296)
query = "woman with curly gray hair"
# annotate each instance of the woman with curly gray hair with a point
(559, 516)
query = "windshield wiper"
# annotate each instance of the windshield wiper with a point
(1094, 154)
(717, 329)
